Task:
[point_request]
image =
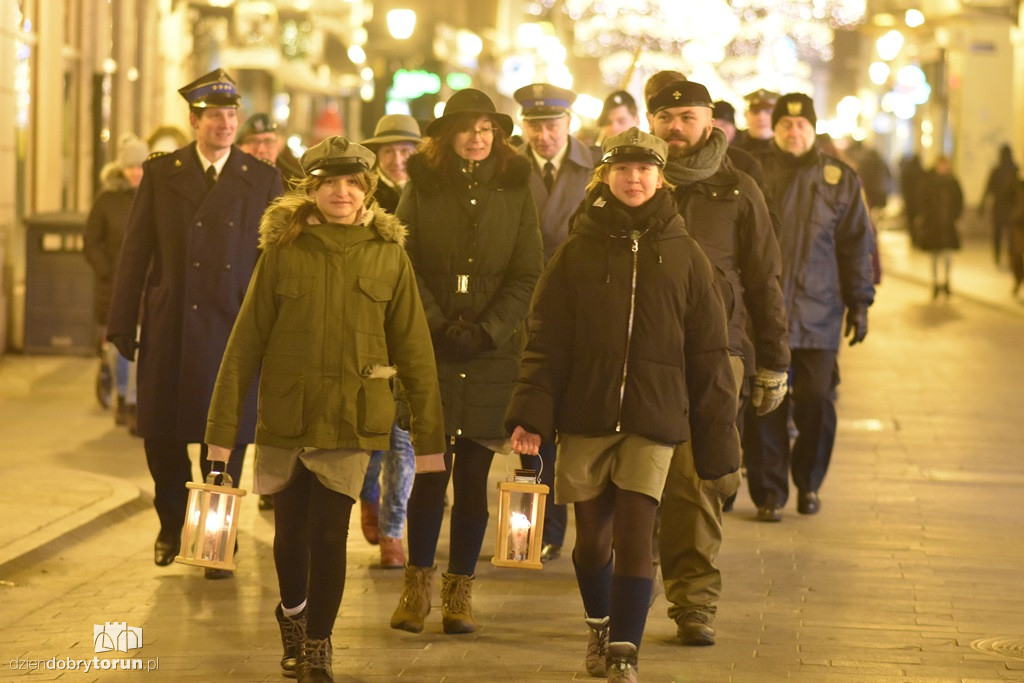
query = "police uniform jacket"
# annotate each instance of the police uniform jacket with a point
(557, 207)
(627, 334)
(332, 315)
(188, 255)
(476, 248)
(727, 215)
(826, 242)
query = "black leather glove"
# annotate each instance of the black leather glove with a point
(856, 324)
(465, 340)
(124, 344)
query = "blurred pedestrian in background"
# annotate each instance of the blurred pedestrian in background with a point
(723, 117)
(912, 175)
(104, 233)
(627, 338)
(1001, 188)
(561, 168)
(189, 250)
(477, 251)
(382, 518)
(1017, 241)
(618, 113)
(757, 137)
(332, 314)
(261, 137)
(826, 242)
(941, 208)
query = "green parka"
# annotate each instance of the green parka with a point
(331, 316)
(479, 225)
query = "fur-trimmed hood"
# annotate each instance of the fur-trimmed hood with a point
(112, 179)
(280, 213)
(517, 173)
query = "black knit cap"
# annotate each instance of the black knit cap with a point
(794, 104)
(724, 111)
(680, 94)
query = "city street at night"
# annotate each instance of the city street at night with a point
(910, 571)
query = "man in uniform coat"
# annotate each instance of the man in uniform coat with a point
(826, 242)
(189, 250)
(562, 167)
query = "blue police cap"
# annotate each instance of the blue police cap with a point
(215, 89)
(543, 101)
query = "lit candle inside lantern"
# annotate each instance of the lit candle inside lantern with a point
(518, 536)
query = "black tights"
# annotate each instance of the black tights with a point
(619, 519)
(310, 533)
(624, 521)
(469, 470)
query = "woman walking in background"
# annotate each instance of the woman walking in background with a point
(476, 247)
(941, 206)
(104, 233)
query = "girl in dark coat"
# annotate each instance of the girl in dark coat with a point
(476, 248)
(943, 203)
(627, 357)
(104, 233)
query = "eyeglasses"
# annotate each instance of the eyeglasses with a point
(482, 132)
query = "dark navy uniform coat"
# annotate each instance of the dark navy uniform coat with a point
(187, 258)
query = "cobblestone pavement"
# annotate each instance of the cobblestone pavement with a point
(910, 572)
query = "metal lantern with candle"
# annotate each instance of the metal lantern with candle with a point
(520, 521)
(211, 523)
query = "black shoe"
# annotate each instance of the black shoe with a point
(165, 548)
(770, 511)
(266, 502)
(808, 503)
(550, 551)
(216, 574)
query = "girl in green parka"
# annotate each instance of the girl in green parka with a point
(332, 314)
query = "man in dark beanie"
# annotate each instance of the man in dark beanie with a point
(826, 242)
(723, 116)
(726, 214)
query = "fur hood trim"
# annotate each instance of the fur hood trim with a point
(279, 214)
(111, 178)
(517, 174)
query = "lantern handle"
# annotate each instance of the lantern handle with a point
(211, 478)
(513, 452)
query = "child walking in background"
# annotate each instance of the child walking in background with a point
(627, 357)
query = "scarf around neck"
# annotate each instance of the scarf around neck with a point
(700, 165)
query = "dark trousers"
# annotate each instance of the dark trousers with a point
(171, 469)
(813, 377)
(467, 464)
(555, 516)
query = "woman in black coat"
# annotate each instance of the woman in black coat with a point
(104, 233)
(476, 248)
(941, 206)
